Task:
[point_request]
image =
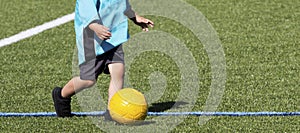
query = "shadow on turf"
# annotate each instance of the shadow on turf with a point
(163, 106)
(157, 107)
(141, 123)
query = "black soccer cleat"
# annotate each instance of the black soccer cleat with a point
(107, 116)
(62, 105)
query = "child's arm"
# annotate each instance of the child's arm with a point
(138, 20)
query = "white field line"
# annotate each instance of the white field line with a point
(36, 30)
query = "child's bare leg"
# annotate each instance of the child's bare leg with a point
(116, 78)
(75, 85)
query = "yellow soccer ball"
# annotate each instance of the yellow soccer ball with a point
(128, 106)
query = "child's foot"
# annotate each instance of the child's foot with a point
(62, 105)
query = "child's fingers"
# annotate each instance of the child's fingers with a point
(145, 28)
(106, 31)
(104, 35)
(105, 28)
(150, 23)
(108, 34)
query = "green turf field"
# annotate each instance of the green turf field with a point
(260, 40)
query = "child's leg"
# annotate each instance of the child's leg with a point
(62, 96)
(117, 78)
(76, 85)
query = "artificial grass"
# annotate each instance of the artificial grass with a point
(260, 41)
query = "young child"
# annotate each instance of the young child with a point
(101, 28)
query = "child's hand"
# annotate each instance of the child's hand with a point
(142, 22)
(101, 31)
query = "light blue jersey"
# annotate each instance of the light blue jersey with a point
(110, 13)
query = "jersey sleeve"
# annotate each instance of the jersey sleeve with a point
(87, 11)
(129, 12)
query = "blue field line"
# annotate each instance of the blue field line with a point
(101, 113)
(224, 113)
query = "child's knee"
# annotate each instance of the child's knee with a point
(89, 83)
